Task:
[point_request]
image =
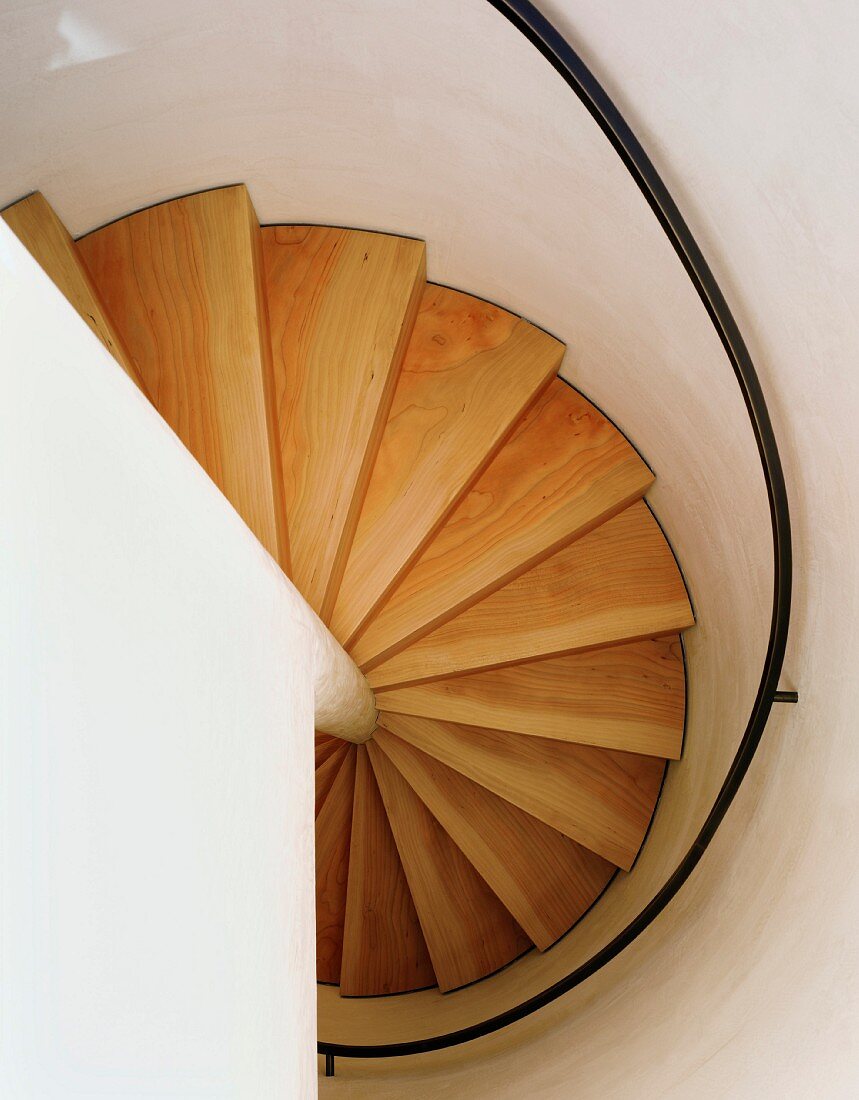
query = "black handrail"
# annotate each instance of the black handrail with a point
(561, 55)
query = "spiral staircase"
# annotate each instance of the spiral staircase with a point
(471, 529)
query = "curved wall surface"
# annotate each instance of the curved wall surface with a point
(157, 941)
(443, 122)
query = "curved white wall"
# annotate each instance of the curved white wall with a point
(439, 120)
(156, 730)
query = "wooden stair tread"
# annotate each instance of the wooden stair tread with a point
(384, 950)
(628, 697)
(470, 370)
(563, 471)
(38, 228)
(333, 836)
(323, 751)
(600, 798)
(182, 283)
(341, 305)
(468, 931)
(470, 526)
(326, 773)
(620, 583)
(544, 879)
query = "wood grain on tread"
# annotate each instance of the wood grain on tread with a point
(327, 772)
(47, 240)
(333, 835)
(628, 697)
(600, 798)
(341, 307)
(468, 931)
(384, 950)
(470, 370)
(563, 471)
(618, 584)
(181, 282)
(545, 880)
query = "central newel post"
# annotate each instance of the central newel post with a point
(344, 702)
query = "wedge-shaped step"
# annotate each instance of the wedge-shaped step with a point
(546, 880)
(468, 931)
(629, 697)
(342, 304)
(182, 283)
(565, 470)
(333, 835)
(618, 584)
(327, 772)
(470, 371)
(47, 240)
(384, 950)
(324, 746)
(601, 799)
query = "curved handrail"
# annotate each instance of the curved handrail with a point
(561, 55)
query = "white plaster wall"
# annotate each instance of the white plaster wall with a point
(156, 718)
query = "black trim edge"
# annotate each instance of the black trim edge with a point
(563, 58)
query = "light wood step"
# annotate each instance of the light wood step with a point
(47, 240)
(470, 371)
(333, 835)
(629, 697)
(618, 584)
(182, 283)
(327, 771)
(468, 931)
(601, 799)
(384, 950)
(342, 305)
(544, 879)
(469, 524)
(564, 470)
(324, 747)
